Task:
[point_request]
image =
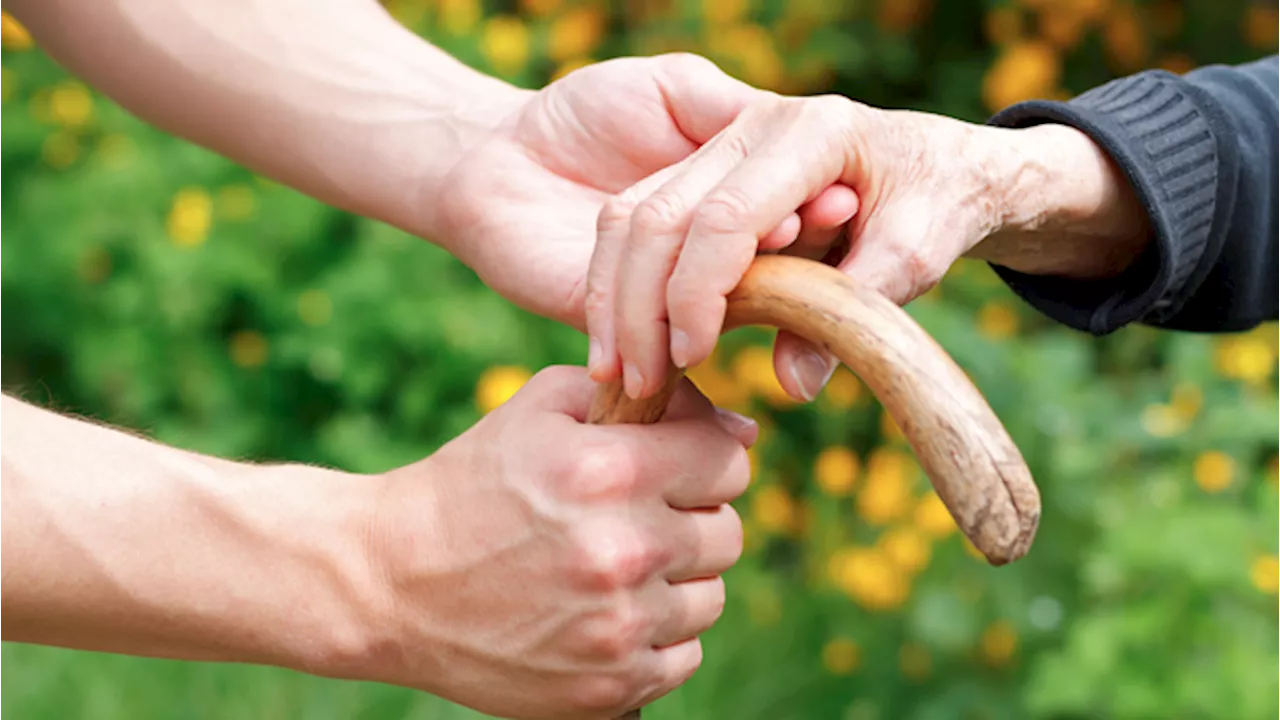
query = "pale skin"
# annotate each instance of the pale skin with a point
(925, 191)
(568, 574)
(534, 567)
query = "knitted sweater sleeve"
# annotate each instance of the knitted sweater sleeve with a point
(1200, 152)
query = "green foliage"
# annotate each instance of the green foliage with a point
(156, 286)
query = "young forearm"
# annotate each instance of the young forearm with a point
(335, 99)
(114, 543)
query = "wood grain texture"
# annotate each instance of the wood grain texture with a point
(964, 449)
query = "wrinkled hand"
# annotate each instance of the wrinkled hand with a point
(561, 569)
(925, 190)
(521, 208)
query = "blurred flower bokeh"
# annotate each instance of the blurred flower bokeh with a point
(157, 286)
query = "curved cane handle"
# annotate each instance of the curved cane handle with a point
(964, 449)
(961, 444)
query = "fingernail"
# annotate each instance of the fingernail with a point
(679, 348)
(594, 354)
(811, 372)
(632, 381)
(740, 426)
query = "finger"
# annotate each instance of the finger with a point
(899, 253)
(824, 221)
(803, 368)
(688, 403)
(703, 543)
(702, 98)
(692, 608)
(558, 389)
(695, 463)
(672, 667)
(834, 207)
(657, 233)
(612, 227)
(783, 235)
(802, 157)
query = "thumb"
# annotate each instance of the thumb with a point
(702, 98)
(901, 252)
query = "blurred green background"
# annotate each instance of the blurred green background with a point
(151, 284)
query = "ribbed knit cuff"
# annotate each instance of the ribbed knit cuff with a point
(1158, 130)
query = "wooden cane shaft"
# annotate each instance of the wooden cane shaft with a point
(965, 451)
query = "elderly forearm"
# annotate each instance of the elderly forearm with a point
(333, 98)
(114, 543)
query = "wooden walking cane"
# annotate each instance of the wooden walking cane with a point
(970, 459)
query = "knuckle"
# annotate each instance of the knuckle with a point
(608, 561)
(601, 693)
(615, 635)
(615, 212)
(603, 473)
(658, 213)
(724, 211)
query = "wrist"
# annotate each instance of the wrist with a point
(1064, 207)
(322, 605)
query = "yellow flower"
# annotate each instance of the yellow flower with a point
(933, 518)
(869, 577)
(60, 150)
(1125, 39)
(836, 469)
(1265, 573)
(498, 384)
(505, 43)
(1025, 70)
(841, 656)
(999, 643)
(843, 390)
(458, 17)
(1062, 25)
(773, 509)
(886, 494)
(235, 202)
(722, 12)
(248, 349)
(914, 662)
(314, 307)
(997, 320)
(1260, 26)
(575, 33)
(1003, 25)
(753, 367)
(70, 104)
(190, 217)
(1214, 470)
(907, 547)
(752, 49)
(13, 36)
(723, 389)
(1245, 357)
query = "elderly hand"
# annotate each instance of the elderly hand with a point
(926, 190)
(520, 208)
